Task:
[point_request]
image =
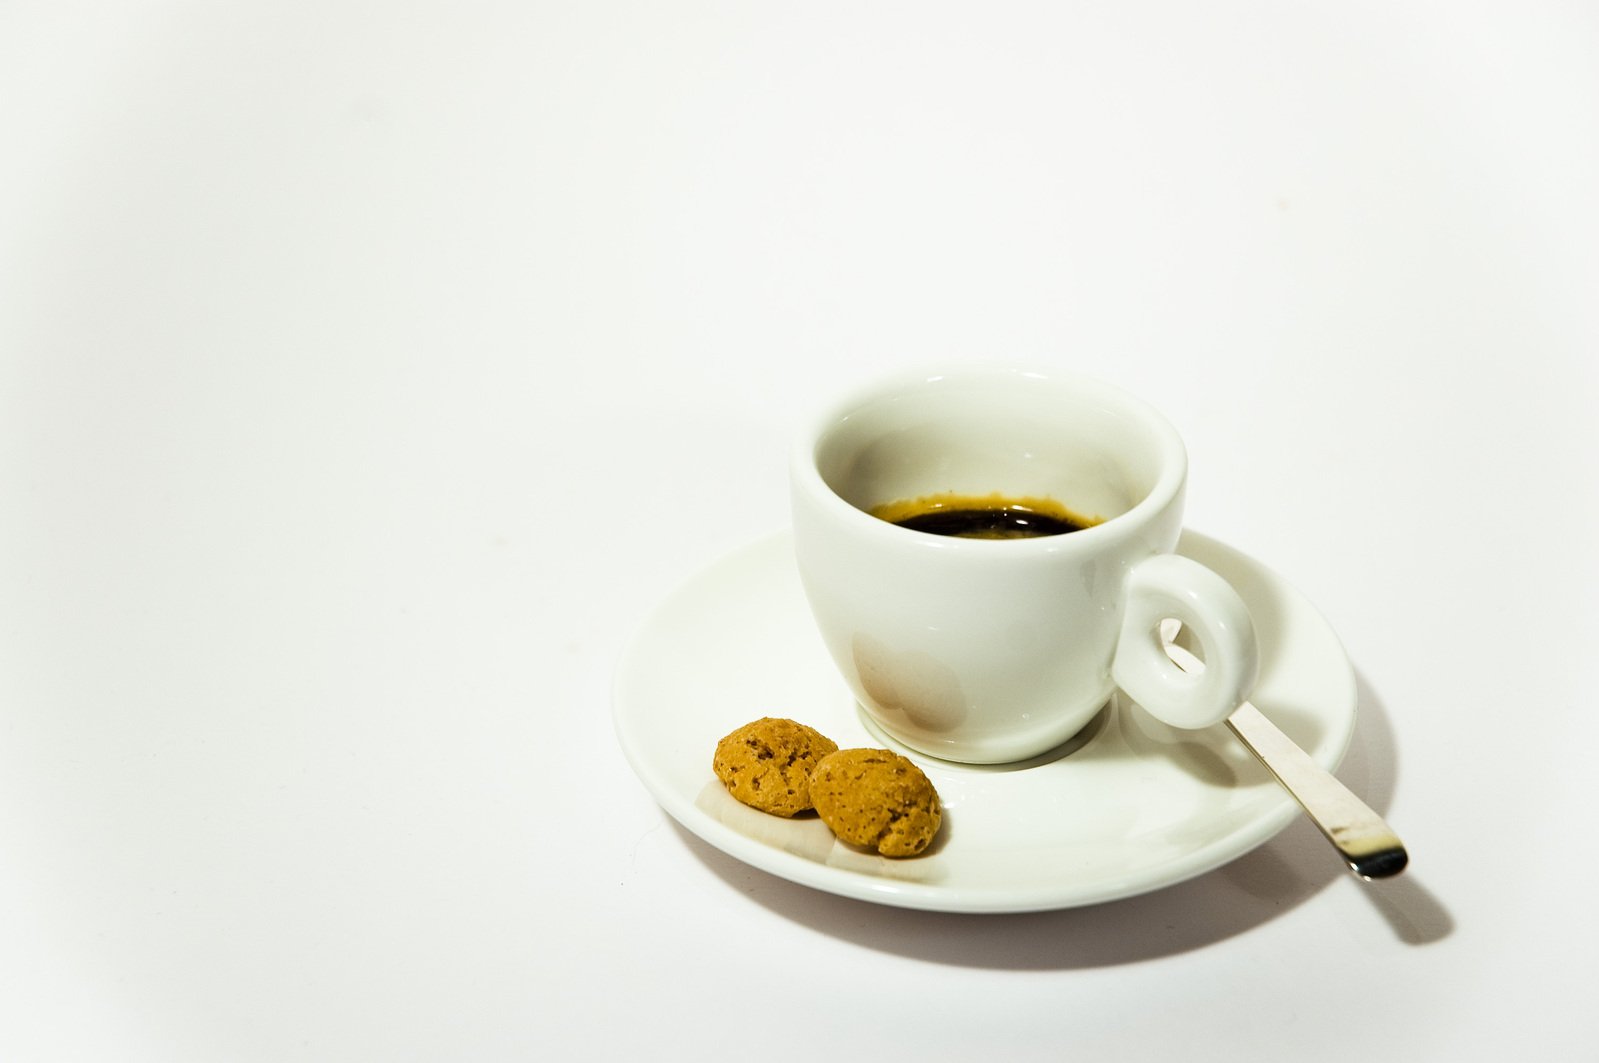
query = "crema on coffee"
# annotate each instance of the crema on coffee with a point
(993, 516)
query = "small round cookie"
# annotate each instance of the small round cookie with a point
(877, 799)
(767, 764)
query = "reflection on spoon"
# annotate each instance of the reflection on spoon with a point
(1369, 846)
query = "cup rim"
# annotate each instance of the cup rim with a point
(1173, 469)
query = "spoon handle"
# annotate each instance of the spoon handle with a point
(1365, 840)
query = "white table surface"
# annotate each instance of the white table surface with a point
(368, 371)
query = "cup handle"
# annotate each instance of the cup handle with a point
(1170, 586)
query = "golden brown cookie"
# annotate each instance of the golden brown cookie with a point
(767, 764)
(877, 799)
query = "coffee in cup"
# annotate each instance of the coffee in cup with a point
(988, 553)
(992, 516)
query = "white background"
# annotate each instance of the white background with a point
(367, 372)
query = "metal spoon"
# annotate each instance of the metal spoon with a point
(1365, 840)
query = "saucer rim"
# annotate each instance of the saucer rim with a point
(1217, 853)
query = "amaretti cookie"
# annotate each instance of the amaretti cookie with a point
(767, 764)
(877, 799)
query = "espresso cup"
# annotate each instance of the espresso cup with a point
(992, 650)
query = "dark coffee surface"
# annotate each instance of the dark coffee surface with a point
(984, 516)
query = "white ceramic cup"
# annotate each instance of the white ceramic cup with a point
(991, 651)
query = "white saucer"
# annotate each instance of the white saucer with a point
(1129, 807)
